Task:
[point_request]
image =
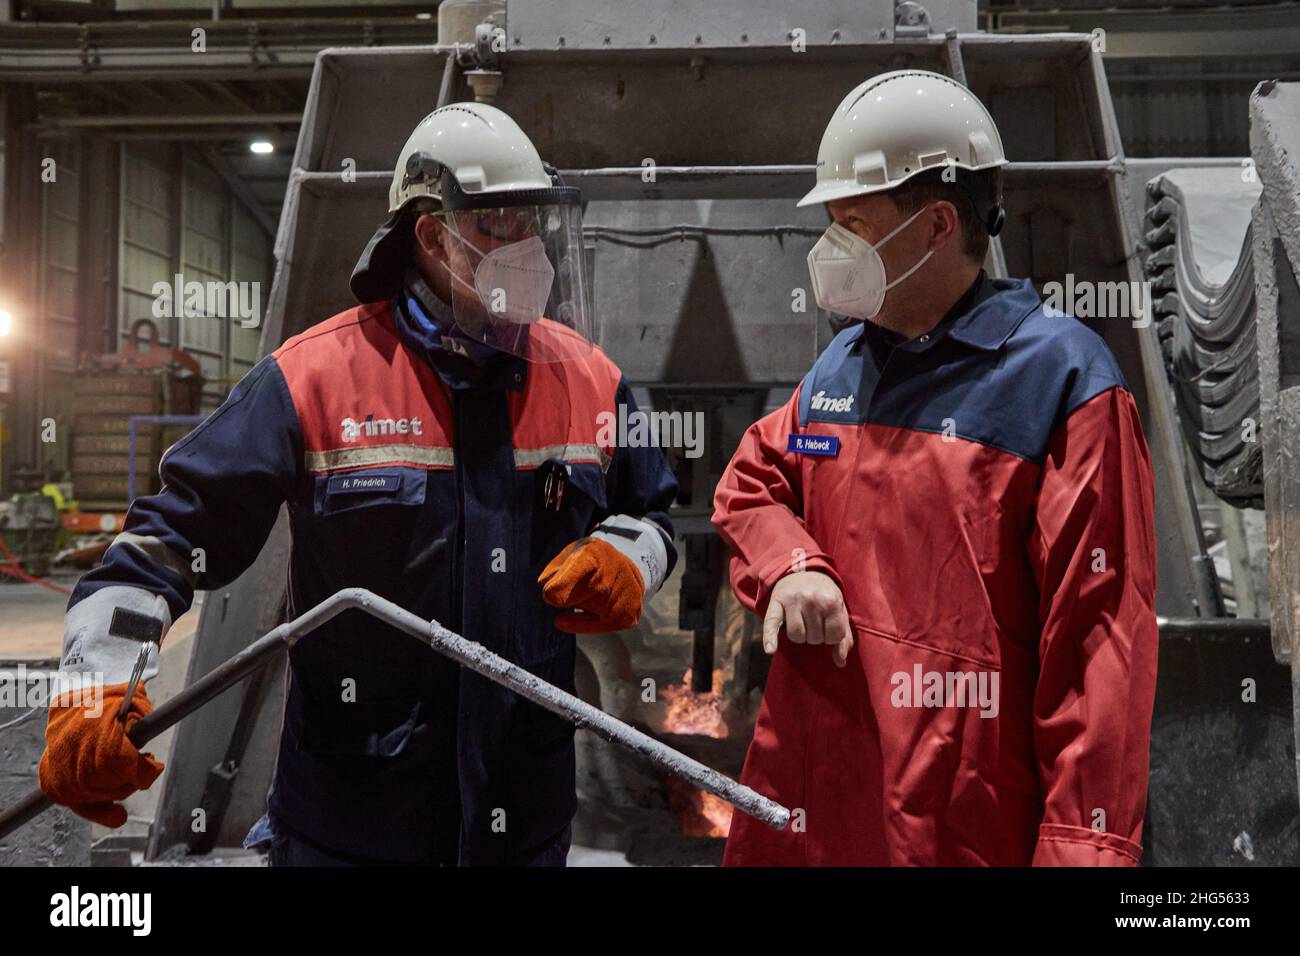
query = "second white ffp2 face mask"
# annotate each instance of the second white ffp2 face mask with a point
(848, 275)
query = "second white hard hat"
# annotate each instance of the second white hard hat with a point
(896, 125)
(482, 148)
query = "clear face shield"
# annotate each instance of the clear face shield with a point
(518, 277)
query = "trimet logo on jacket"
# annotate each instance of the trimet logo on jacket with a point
(371, 426)
(820, 403)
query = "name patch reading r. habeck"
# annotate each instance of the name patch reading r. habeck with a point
(345, 484)
(813, 445)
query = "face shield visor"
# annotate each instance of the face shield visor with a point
(517, 274)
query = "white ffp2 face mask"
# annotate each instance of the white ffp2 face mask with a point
(513, 281)
(848, 275)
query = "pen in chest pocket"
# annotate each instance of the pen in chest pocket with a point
(553, 489)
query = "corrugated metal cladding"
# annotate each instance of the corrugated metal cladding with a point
(1166, 109)
(58, 287)
(178, 217)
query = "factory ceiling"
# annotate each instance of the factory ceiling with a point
(218, 84)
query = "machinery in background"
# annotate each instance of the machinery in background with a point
(123, 404)
(1200, 266)
(1222, 254)
(29, 530)
(150, 385)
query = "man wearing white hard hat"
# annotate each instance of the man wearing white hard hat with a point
(441, 445)
(947, 530)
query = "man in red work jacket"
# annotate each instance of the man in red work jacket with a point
(951, 523)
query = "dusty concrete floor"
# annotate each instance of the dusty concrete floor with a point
(31, 617)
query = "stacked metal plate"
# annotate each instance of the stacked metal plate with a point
(1202, 281)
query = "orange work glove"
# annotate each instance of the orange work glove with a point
(601, 584)
(604, 579)
(89, 763)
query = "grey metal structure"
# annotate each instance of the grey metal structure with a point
(600, 113)
(691, 136)
(1235, 358)
(1275, 148)
(1203, 291)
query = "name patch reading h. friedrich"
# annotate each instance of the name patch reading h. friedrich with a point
(343, 484)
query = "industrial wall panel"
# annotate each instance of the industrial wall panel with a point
(180, 217)
(701, 305)
(62, 234)
(148, 175)
(60, 332)
(138, 305)
(61, 193)
(146, 228)
(202, 335)
(57, 329)
(1165, 114)
(143, 267)
(205, 201)
(148, 233)
(250, 262)
(205, 258)
(140, 270)
(60, 294)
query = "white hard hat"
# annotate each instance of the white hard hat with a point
(517, 278)
(482, 148)
(460, 155)
(896, 125)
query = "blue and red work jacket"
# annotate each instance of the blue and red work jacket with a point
(983, 496)
(445, 487)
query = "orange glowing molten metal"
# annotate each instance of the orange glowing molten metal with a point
(701, 814)
(692, 713)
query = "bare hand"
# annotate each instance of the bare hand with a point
(812, 609)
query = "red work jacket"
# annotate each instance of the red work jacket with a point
(983, 497)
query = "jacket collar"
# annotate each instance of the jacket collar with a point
(426, 324)
(983, 318)
(993, 319)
